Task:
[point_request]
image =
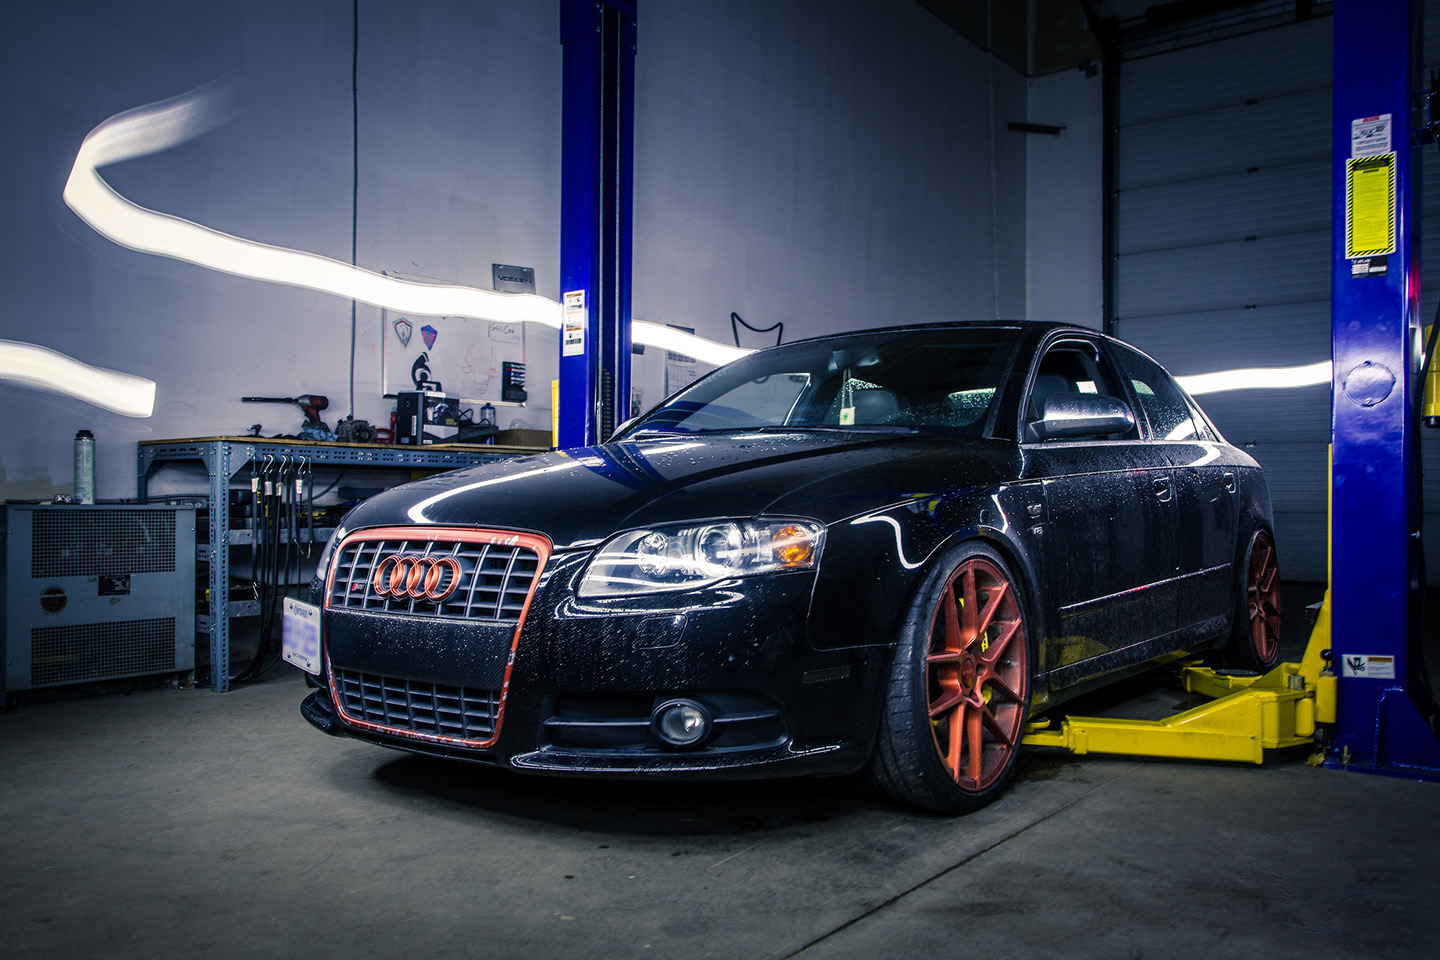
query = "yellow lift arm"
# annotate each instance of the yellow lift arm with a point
(1248, 715)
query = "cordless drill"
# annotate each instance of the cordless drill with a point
(311, 403)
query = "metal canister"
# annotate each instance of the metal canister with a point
(84, 467)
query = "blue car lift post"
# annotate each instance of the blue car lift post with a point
(598, 118)
(1382, 699)
(1360, 681)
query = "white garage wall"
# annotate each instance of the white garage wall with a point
(831, 169)
(829, 166)
(1064, 230)
(460, 164)
(280, 173)
(433, 146)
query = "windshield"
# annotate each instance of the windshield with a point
(938, 380)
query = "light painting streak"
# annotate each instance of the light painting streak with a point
(150, 129)
(37, 366)
(1257, 378)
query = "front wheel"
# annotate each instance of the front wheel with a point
(955, 709)
(1255, 639)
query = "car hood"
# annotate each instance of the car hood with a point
(578, 497)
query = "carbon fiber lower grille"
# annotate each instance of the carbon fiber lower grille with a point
(429, 710)
(493, 582)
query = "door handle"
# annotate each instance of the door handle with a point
(1230, 482)
(1162, 489)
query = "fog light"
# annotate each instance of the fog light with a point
(681, 723)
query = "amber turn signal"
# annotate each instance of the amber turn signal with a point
(793, 546)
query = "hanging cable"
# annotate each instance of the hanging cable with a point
(354, 178)
(737, 321)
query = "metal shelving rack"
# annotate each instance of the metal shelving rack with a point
(225, 457)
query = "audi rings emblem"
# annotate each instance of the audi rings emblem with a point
(409, 575)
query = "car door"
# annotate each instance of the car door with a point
(1108, 525)
(1206, 497)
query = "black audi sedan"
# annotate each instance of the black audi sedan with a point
(877, 552)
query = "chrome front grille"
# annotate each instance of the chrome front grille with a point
(493, 584)
(408, 707)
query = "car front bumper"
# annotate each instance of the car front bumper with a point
(573, 688)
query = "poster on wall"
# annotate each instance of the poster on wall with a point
(480, 360)
(472, 359)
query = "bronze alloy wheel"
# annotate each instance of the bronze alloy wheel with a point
(959, 687)
(977, 674)
(1263, 599)
(1254, 642)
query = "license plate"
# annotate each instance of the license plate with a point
(300, 638)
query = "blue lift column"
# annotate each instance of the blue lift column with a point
(596, 216)
(1375, 302)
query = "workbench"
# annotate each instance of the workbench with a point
(225, 457)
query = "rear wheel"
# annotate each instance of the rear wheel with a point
(955, 709)
(1255, 639)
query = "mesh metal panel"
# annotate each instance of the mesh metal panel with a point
(407, 706)
(493, 584)
(95, 651)
(89, 543)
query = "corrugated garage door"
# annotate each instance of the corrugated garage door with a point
(1223, 234)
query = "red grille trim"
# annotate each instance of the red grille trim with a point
(541, 546)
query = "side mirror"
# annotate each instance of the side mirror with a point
(1078, 415)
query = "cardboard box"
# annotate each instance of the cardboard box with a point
(524, 438)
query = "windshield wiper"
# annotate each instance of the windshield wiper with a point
(682, 432)
(656, 432)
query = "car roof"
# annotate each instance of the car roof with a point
(1039, 326)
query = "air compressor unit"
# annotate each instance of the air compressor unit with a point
(95, 592)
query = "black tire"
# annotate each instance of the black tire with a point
(959, 688)
(1255, 638)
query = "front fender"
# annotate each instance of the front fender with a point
(874, 562)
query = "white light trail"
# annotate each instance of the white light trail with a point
(159, 126)
(1257, 378)
(38, 366)
(678, 341)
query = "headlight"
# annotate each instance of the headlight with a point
(697, 555)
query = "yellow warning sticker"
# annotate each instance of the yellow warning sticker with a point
(1370, 206)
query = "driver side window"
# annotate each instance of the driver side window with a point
(1069, 367)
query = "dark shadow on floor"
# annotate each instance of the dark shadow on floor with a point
(651, 807)
(660, 808)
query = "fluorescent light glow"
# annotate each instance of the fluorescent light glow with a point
(159, 126)
(1257, 378)
(38, 366)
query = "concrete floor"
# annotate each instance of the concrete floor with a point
(169, 823)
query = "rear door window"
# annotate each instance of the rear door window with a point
(1160, 398)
